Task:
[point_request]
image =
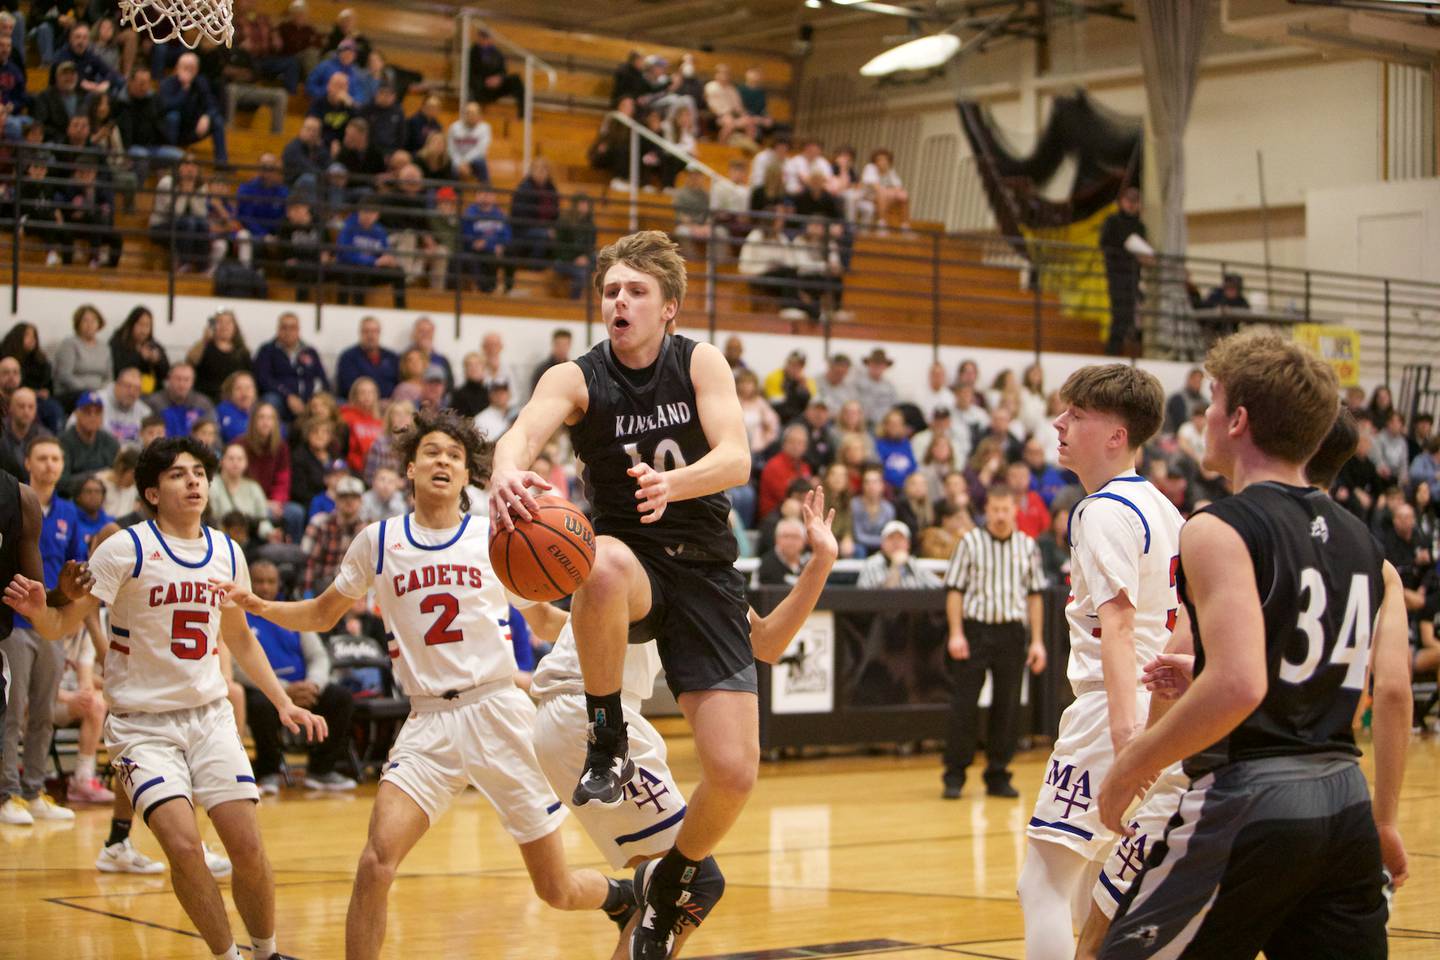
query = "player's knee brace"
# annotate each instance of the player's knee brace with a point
(705, 891)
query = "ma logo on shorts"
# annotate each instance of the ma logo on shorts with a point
(1079, 795)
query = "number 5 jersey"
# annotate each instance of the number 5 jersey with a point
(446, 613)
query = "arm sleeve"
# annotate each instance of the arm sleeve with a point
(112, 565)
(357, 570)
(1108, 547)
(957, 577)
(317, 660)
(1036, 581)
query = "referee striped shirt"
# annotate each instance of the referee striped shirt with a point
(996, 576)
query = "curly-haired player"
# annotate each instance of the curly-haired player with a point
(445, 611)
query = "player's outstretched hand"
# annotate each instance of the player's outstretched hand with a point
(26, 596)
(76, 580)
(234, 595)
(819, 525)
(653, 492)
(295, 718)
(1169, 674)
(510, 497)
(1392, 854)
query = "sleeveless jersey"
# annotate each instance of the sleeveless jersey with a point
(164, 618)
(446, 613)
(1319, 576)
(1123, 537)
(559, 671)
(658, 423)
(11, 527)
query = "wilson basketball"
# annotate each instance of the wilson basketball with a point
(546, 558)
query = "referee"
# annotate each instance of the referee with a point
(993, 589)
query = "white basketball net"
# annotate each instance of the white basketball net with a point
(184, 20)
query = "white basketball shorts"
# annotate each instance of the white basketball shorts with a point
(193, 753)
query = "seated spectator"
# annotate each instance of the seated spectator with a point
(88, 447)
(682, 128)
(328, 536)
(384, 499)
(422, 123)
(1425, 468)
(871, 512)
(610, 150)
(1032, 516)
(14, 101)
(343, 62)
(96, 76)
(49, 24)
(754, 100)
(881, 186)
(629, 79)
(489, 78)
(207, 432)
(310, 459)
(838, 490)
(190, 111)
(362, 161)
(22, 425)
(78, 700)
(234, 491)
(892, 446)
(734, 126)
(180, 217)
(324, 501)
(844, 186)
(800, 168)
(575, 243)
(238, 398)
(300, 249)
(386, 118)
(179, 403)
(472, 395)
(422, 338)
(306, 156)
(413, 364)
(663, 93)
(781, 565)
(730, 202)
(788, 389)
(658, 167)
(361, 414)
(768, 259)
(107, 141)
(260, 201)
(1390, 450)
(298, 38)
(407, 217)
(334, 110)
(347, 27)
(986, 466)
(219, 353)
(818, 269)
(82, 361)
(323, 406)
(36, 372)
(385, 451)
(90, 509)
(121, 497)
(914, 506)
(142, 126)
(124, 410)
(256, 36)
(152, 428)
(534, 209)
(468, 141)
(951, 523)
(303, 667)
(110, 43)
(692, 215)
(893, 566)
(270, 467)
(497, 416)
(1230, 294)
(56, 104)
(783, 469)
(762, 424)
(815, 200)
(364, 258)
(433, 159)
(288, 371)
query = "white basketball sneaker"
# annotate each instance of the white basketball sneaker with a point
(122, 857)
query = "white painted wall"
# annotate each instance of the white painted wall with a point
(1337, 218)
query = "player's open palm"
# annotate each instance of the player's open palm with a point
(819, 525)
(653, 491)
(296, 719)
(26, 596)
(510, 496)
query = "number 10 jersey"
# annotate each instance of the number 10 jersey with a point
(446, 613)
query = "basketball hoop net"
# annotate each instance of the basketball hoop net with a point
(185, 20)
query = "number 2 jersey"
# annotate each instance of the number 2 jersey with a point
(1318, 573)
(446, 613)
(164, 617)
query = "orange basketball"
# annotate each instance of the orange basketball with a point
(546, 558)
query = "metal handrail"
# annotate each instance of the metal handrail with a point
(638, 130)
(468, 19)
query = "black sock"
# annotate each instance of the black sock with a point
(605, 711)
(675, 869)
(119, 831)
(618, 897)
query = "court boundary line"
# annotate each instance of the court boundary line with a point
(63, 902)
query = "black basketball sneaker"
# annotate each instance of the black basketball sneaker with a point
(628, 905)
(608, 767)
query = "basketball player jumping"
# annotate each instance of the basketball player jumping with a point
(656, 421)
(644, 825)
(470, 725)
(1123, 535)
(1274, 847)
(171, 730)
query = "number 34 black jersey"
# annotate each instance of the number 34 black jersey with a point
(1318, 572)
(648, 417)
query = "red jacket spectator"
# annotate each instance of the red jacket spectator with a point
(782, 469)
(1032, 517)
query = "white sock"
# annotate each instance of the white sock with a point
(264, 948)
(1047, 886)
(84, 767)
(231, 953)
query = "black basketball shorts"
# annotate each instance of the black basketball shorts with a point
(700, 619)
(1278, 855)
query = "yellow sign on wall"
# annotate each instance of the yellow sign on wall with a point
(1336, 345)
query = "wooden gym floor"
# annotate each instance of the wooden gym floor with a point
(838, 857)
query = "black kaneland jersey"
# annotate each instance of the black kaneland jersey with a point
(654, 421)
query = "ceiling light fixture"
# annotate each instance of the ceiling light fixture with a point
(925, 53)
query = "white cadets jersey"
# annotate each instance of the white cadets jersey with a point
(164, 618)
(559, 671)
(446, 613)
(1124, 537)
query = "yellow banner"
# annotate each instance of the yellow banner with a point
(1336, 345)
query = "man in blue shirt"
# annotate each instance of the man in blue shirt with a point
(35, 664)
(260, 201)
(368, 359)
(189, 109)
(287, 370)
(96, 76)
(485, 230)
(365, 259)
(301, 663)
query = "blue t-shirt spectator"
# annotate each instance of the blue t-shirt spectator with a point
(898, 459)
(261, 205)
(361, 246)
(319, 79)
(487, 224)
(60, 540)
(179, 419)
(282, 649)
(232, 420)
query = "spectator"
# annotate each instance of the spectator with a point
(782, 469)
(734, 354)
(845, 185)
(433, 159)
(935, 392)
(753, 100)
(768, 259)
(629, 79)
(300, 245)
(36, 372)
(141, 123)
(468, 140)
(385, 450)
(386, 118)
(306, 156)
(1422, 428)
(788, 389)
(1180, 403)
(938, 542)
(993, 593)
(781, 565)
(471, 396)
(124, 410)
(497, 416)
(365, 259)
(190, 111)
(882, 189)
(1229, 295)
(385, 499)
(180, 217)
(14, 101)
(152, 428)
(664, 90)
(877, 394)
(773, 157)
(342, 62)
(413, 364)
(730, 202)
(121, 497)
(298, 38)
(232, 414)
(134, 345)
(90, 506)
(850, 427)
(234, 491)
(1425, 468)
(534, 210)
(489, 79)
(334, 110)
(361, 415)
(818, 267)
(423, 123)
(270, 467)
(823, 443)
(692, 214)
(82, 362)
(258, 39)
(179, 403)
(96, 76)
(34, 670)
(303, 667)
(560, 341)
(1390, 449)
(610, 150)
(486, 235)
(347, 27)
(329, 536)
(361, 161)
(1048, 480)
(1032, 516)
(800, 168)
(575, 244)
(969, 413)
(422, 338)
(836, 387)
(870, 511)
(814, 199)
(735, 126)
(892, 446)
(762, 423)
(55, 105)
(942, 428)
(893, 567)
(288, 371)
(219, 353)
(914, 506)
(839, 491)
(22, 426)
(260, 201)
(1124, 245)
